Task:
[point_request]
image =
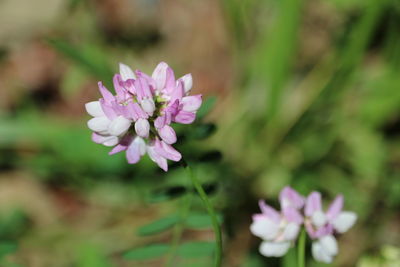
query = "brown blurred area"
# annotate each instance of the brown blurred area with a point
(188, 34)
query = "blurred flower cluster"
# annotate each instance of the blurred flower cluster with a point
(279, 229)
(138, 118)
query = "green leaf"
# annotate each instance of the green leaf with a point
(199, 220)
(203, 131)
(276, 52)
(206, 107)
(168, 193)
(7, 247)
(89, 57)
(89, 256)
(148, 252)
(158, 226)
(196, 249)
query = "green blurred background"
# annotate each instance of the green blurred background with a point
(305, 93)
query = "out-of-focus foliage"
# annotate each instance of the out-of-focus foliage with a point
(296, 92)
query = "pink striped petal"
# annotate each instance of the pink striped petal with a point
(170, 82)
(117, 81)
(292, 215)
(167, 151)
(167, 134)
(97, 138)
(187, 82)
(157, 158)
(289, 197)
(118, 148)
(270, 212)
(160, 75)
(142, 127)
(107, 96)
(160, 122)
(184, 117)
(335, 208)
(107, 109)
(177, 92)
(126, 72)
(135, 150)
(313, 203)
(191, 103)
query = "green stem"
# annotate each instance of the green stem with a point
(178, 229)
(211, 212)
(301, 249)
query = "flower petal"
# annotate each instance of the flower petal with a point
(160, 122)
(313, 203)
(157, 158)
(142, 127)
(170, 83)
(291, 231)
(107, 140)
(320, 254)
(184, 117)
(289, 197)
(142, 88)
(99, 124)
(187, 82)
(119, 89)
(160, 75)
(122, 146)
(329, 244)
(177, 92)
(191, 103)
(274, 249)
(335, 208)
(107, 96)
(108, 109)
(148, 105)
(118, 148)
(133, 153)
(344, 221)
(119, 126)
(323, 231)
(167, 134)
(270, 212)
(94, 109)
(167, 151)
(292, 215)
(318, 218)
(126, 72)
(111, 141)
(264, 228)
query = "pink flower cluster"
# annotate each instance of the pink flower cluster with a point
(138, 118)
(280, 229)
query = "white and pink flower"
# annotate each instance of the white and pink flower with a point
(278, 229)
(138, 118)
(321, 226)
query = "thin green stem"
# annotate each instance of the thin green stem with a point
(178, 229)
(301, 249)
(211, 212)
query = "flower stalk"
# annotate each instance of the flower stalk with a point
(301, 249)
(210, 210)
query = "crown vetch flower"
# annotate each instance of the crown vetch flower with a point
(138, 118)
(278, 229)
(321, 226)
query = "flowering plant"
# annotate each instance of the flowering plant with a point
(138, 118)
(280, 229)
